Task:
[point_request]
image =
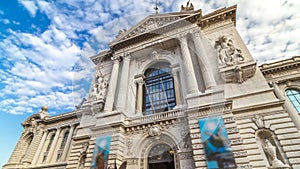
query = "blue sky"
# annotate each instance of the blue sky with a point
(45, 45)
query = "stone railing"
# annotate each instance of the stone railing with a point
(157, 117)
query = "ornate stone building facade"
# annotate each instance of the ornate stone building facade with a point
(176, 91)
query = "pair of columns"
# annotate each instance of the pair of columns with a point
(192, 85)
(52, 152)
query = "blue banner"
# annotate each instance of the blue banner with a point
(101, 152)
(216, 143)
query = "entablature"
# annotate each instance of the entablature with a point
(217, 16)
(283, 65)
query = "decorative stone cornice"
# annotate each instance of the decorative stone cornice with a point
(154, 25)
(102, 56)
(279, 66)
(224, 14)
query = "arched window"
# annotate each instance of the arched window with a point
(158, 89)
(294, 97)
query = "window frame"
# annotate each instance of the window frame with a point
(158, 89)
(292, 94)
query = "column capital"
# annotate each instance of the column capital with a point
(139, 81)
(126, 56)
(182, 36)
(116, 58)
(196, 32)
(175, 71)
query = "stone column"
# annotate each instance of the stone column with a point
(139, 81)
(68, 144)
(110, 97)
(122, 97)
(208, 77)
(38, 151)
(192, 86)
(288, 105)
(53, 145)
(176, 86)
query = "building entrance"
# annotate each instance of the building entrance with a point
(161, 156)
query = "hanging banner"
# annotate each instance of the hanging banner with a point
(101, 152)
(216, 143)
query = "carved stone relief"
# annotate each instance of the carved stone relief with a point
(129, 143)
(232, 63)
(155, 131)
(258, 120)
(148, 25)
(30, 129)
(99, 90)
(228, 54)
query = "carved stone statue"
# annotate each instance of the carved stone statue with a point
(271, 152)
(99, 89)
(44, 113)
(228, 54)
(189, 7)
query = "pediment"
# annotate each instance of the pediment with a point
(151, 23)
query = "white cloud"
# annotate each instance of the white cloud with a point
(30, 6)
(51, 67)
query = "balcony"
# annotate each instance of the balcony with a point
(172, 114)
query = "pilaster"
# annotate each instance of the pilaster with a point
(122, 97)
(31, 150)
(38, 151)
(110, 98)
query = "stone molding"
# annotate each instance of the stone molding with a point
(221, 15)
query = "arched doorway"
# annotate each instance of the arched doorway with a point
(161, 156)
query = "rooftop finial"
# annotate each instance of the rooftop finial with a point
(156, 8)
(189, 7)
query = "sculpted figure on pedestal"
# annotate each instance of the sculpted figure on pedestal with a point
(271, 152)
(44, 112)
(99, 88)
(228, 54)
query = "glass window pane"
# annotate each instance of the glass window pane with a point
(159, 86)
(294, 97)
